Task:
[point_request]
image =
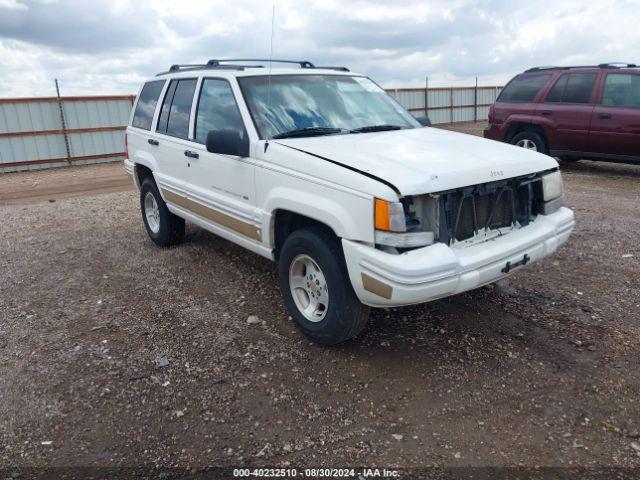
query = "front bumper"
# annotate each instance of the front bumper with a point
(382, 279)
(495, 132)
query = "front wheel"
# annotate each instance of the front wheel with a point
(316, 288)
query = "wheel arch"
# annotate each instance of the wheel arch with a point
(140, 173)
(284, 222)
(519, 127)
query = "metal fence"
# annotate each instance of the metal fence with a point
(448, 104)
(51, 131)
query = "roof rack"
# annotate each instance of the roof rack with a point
(302, 63)
(618, 65)
(228, 64)
(602, 65)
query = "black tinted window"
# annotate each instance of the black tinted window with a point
(174, 119)
(621, 90)
(217, 109)
(146, 105)
(573, 88)
(523, 88)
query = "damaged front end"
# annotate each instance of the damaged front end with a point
(477, 213)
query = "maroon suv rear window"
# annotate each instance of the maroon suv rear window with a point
(523, 88)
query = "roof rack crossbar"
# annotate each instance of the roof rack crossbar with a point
(218, 62)
(228, 64)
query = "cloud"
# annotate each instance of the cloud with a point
(111, 46)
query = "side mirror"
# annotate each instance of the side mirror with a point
(424, 121)
(228, 142)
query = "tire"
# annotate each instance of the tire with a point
(343, 316)
(530, 141)
(164, 228)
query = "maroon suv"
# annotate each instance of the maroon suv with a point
(572, 112)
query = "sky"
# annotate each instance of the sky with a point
(110, 46)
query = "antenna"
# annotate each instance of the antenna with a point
(273, 16)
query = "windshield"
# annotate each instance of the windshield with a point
(297, 102)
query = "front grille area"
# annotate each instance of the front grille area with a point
(488, 206)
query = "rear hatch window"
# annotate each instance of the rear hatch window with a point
(523, 88)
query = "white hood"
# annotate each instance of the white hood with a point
(424, 160)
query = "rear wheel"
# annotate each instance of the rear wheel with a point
(530, 141)
(316, 288)
(163, 227)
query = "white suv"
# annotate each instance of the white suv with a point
(321, 171)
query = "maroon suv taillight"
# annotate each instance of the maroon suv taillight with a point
(490, 116)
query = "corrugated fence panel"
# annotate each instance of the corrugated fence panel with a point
(447, 105)
(25, 117)
(97, 113)
(32, 135)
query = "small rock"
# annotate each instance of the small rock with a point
(48, 443)
(163, 362)
(635, 434)
(566, 435)
(179, 413)
(52, 200)
(136, 376)
(253, 319)
(397, 436)
(457, 455)
(577, 444)
(635, 446)
(627, 255)
(384, 344)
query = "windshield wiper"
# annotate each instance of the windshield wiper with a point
(309, 132)
(375, 128)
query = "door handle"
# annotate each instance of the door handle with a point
(153, 142)
(604, 116)
(190, 154)
(546, 112)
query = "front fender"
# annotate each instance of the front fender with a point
(349, 216)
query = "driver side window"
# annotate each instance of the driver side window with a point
(217, 110)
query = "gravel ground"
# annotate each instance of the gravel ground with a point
(116, 353)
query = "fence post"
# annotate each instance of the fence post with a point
(426, 96)
(451, 105)
(475, 102)
(64, 123)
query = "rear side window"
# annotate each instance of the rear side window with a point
(146, 106)
(621, 90)
(572, 88)
(217, 109)
(523, 88)
(176, 108)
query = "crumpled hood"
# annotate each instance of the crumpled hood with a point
(424, 160)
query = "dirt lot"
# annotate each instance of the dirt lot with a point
(116, 353)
